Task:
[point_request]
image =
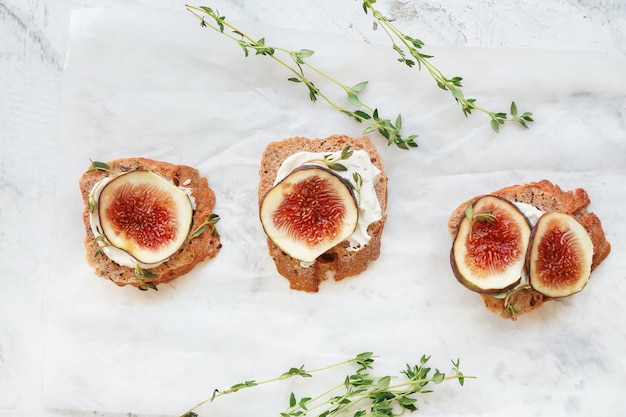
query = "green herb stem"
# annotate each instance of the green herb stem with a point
(361, 112)
(510, 307)
(408, 49)
(289, 374)
(362, 394)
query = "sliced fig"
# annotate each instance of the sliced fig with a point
(489, 251)
(145, 215)
(311, 210)
(560, 255)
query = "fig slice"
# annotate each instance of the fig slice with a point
(309, 211)
(559, 256)
(489, 251)
(145, 215)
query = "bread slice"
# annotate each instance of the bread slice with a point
(198, 249)
(338, 262)
(546, 196)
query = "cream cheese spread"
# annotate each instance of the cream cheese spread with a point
(367, 200)
(531, 212)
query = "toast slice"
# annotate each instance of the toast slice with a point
(546, 196)
(196, 250)
(339, 262)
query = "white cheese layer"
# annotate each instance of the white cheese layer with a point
(359, 162)
(531, 212)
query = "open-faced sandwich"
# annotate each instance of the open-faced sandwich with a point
(523, 245)
(147, 222)
(322, 205)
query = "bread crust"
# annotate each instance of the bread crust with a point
(547, 197)
(339, 262)
(201, 248)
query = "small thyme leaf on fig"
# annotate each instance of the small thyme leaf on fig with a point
(486, 216)
(99, 166)
(210, 222)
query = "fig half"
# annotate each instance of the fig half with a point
(489, 251)
(560, 255)
(145, 215)
(308, 212)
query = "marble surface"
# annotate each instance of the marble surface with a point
(77, 82)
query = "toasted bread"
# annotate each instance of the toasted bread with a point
(339, 262)
(196, 250)
(546, 197)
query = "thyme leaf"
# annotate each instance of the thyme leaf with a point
(356, 184)
(99, 166)
(92, 204)
(299, 67)
(409, 50)
(100, 241)
(511, 308)
(359, 393)
(210, 222)
(331, 161)
(486, 216)
(142, 274)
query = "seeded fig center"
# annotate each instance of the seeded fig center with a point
(558, 261)
(140, 213)
(311, 212)
(493, 245)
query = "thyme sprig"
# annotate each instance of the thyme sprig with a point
(100, 241)
(141, 275)
(409, 51)
(356, 184)
(510, 308)
(359, 393)
(331, 161)
(210, 222)
(298, 65)
(100, 166)
(485, 216)
(92, 204)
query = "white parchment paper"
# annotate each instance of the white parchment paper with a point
(143, 81)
